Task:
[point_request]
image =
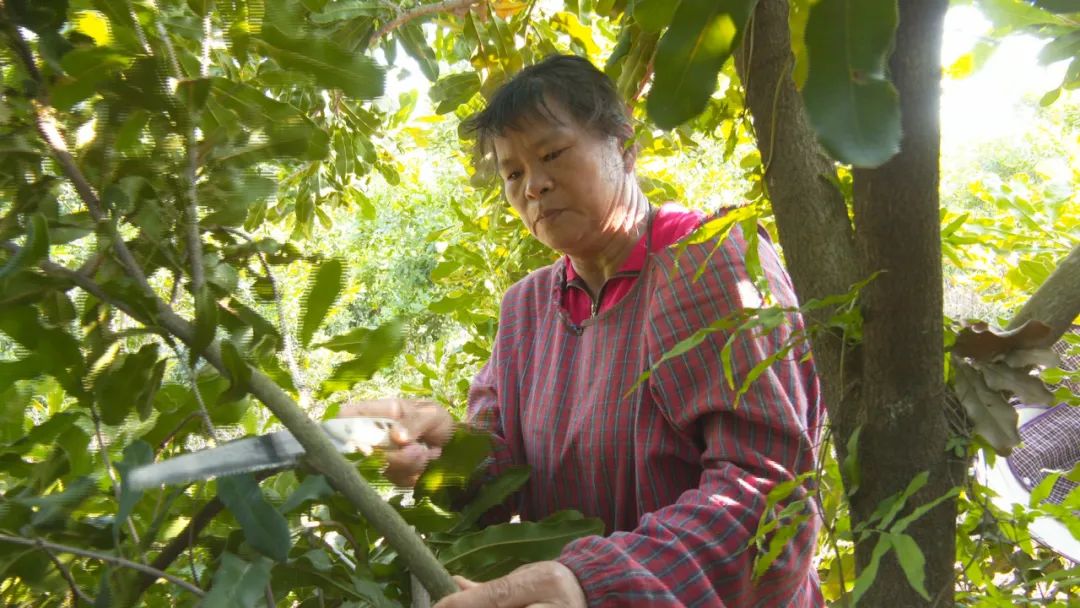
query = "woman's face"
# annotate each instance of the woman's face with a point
(570, 185)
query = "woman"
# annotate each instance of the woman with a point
(677, 466)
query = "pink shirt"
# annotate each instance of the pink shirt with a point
(672, 223)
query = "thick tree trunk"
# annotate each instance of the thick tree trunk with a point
(811, 215)
(902, 405)
(891, 386)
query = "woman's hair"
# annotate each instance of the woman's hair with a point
(571, 81)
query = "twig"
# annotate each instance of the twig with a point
(189, 369)
(47, 546)
(194, 238)
(77, 594)
(104, 449)
(289, 350)
(418, 12)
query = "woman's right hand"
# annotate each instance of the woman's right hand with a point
(421, 429)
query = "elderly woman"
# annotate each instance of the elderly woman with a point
(677, 466)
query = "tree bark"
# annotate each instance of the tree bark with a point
(811, 215)
(902, 405)
(891, 385)
(1057, 301)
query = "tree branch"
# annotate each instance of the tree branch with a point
(322, 454)
(1057, 301)
(417, 13)
(180, 543)
(799, 177)
(289, 347)
(47, 546)
(191, 226)
(77, 594)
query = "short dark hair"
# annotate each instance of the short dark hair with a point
(573, 82)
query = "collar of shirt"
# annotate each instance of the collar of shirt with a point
(671, 223)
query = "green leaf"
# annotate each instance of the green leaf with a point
(461, 458)
(703, 34)
(126, 385)
(53, 509)
(911, 561)
(136, 453)
(322, 292)
(206, 321)
(33, 251)
(375, 352)
(493, 494)
(654, 15)
(412, 39)
(37, 15)
(200, 7)
(454, 90)
(497, 550)
(331, 66)
(869, 573)
(1058, 6)
(849, 99)
(349, 9)
(265, 529)
(314, 487)
(56, 351)
(238, 584)
(852, 472)
(239, 373)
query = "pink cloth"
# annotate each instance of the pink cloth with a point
(679, 466)
(672, 223)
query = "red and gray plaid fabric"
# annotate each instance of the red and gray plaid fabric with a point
(677, 467)
(1051, 441)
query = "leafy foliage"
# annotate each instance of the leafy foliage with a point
(287, 139)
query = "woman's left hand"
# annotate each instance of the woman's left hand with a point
(539, 585)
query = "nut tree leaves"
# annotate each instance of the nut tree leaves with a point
(911, 561)
(412, 39)
(37, 15)
(238, 584)
(331, 66)
(57, 351)
(325, 287)
(703, 34)
(136, 454)
(51, 509)
(992, 416)
(129, 384)
(853, 107)
(454, 90)
(497, 550)
(265, 529)
(239, 373)
(493, 494)
(1058, 6)
(206, 321)
(374, 351)
(654, 15)
(982, 342)
(33, 251)
(314, 487)
(349, 9)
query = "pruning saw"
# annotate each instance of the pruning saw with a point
(278, 450)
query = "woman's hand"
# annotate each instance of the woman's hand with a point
(539, 585)
(422, 428)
